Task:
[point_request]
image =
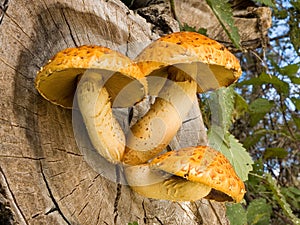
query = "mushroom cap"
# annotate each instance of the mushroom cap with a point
(57, 80)
(215, 65)
(204, 165)
(160, 185)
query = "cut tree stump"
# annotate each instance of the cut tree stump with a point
(44, 177)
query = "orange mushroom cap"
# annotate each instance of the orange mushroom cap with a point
(217, 67)
(204, 165)
(57, 80)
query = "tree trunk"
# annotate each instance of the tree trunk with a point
(44, 177)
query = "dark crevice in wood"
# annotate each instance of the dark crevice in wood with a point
(118, 194)
(190, 119)
(159, 221)
(20, 157)
(145, 212)
(53, 19)
(35, 215)
(68, 152)
(85, 205)
(197, 214)
(128, 42)
(3, 8)
(52, 197)
(216, 213)
(186, 212)
(53, 209)
(13, 197)
(69, 27)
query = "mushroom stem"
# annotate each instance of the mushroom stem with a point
(159, 185)
(154, 131)
(104, 131)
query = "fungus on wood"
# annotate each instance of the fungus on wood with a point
(188, 63)
(188, 174)
(96, 75)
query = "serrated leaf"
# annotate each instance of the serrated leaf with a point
(280, 198)
(236, 214)
(223, 12)
(233, 151)
(292, 195)
(259, 212)
(221, 103)
(271, 153)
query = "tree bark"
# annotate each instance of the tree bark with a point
(44, 177)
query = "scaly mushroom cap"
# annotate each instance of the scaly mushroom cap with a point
(57, 80)
(203, 165)
(216, 66)
(160, 185)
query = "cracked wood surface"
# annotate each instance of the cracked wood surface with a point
(45, 176)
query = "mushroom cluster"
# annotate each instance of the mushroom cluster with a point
(174, 69)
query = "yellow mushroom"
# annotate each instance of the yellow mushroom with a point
(99, 74)
(177, 66)
(188, 174)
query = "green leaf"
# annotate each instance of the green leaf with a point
(240, 106)
(290, 70)
(133, 223)
(253, 139)
(296, 102)
(236, 214)
(259, 212)
(233, 151)
(271, 153)
(221, 103)
(294, 32)
(281, 86)
(223, 12)
(258, 109)
(186, 27)
(292, 195)
(295, 80)
(296, 121)
(255, 177)
(280, 198)
(260, 105)
(266, 2)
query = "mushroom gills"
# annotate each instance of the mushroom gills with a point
(153, 132)
(103, 129)
(63, 82)
(159, 185)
